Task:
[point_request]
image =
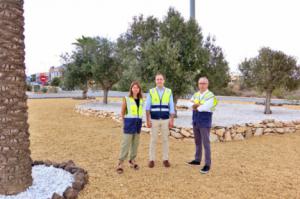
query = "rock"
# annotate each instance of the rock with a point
(250, 124)
(296, 122)
(289, 130)
(278, 124)
(177, 130)
(78, 185)
(56, 196)
(69, 166)
(258, 132)
(241, 129)
(48, 163)
(298, 127)
(268, 121)
(268, 130)
(81, 176)
(185, 133)
(62, 165)
(288, 124)
(279, 130)
(227, 136)
(213, 138)
(220, 132)
(72, 169)
(146, 130)
(56, 165)
(37, 162)
(257, 125)
(238, 136)
(248, 133)
(271, 125)
(70, 193)
(176, 135)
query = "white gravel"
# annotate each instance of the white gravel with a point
(46, 181)
(225, 114)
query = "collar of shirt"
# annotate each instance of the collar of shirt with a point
(202, 94)
(160, 89)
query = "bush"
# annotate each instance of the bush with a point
(44, 90)
(29, 87)
(36, 88)
(52, 89)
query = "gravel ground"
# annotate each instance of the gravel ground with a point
(260, 167)
(226, 114)
(46, 181)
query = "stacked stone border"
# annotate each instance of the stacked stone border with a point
(80, 178)
(218, 133)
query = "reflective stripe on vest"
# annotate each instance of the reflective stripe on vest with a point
(133, 111)
(205, 98)
(160, 106)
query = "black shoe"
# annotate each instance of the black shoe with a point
(194, 162)
(205, 169)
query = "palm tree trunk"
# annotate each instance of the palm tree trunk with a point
(268, 103)
(15, 161)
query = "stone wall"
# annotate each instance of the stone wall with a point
(218, 133)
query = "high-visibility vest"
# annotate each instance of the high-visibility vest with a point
(204, 98)
(203, 119)
(133, 111)
(160, 106)
(133, 116)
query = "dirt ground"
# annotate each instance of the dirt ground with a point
(261, 167)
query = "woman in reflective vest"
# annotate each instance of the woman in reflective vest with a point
(132, 114)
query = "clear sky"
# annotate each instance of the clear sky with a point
(241, 27)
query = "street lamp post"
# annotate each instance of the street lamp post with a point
(192, 9)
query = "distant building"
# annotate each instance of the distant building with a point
(55, 72)
(234, 77)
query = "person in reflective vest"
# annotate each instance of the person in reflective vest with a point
(132, 114)
(203, 103)
(160, 117)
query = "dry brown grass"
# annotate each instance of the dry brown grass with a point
(264, 167)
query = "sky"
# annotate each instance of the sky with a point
(241, 27)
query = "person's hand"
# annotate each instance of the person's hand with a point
(171, 123)
(195, 106)
(149, 124)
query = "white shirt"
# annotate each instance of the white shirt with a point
(206, 107)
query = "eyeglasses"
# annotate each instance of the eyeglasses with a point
(202, 83)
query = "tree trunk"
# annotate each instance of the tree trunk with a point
(175, 105)
(84, 92)
(15, 161)
(105, 95)
(268, 103)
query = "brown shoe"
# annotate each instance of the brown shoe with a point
(166, 163)
(151, 164)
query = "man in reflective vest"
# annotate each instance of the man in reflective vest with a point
(160, 117)
(203, 104)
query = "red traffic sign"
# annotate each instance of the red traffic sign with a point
(43, 78)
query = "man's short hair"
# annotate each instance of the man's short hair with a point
(159, 74)
(203, 78)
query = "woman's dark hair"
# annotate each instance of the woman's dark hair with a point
(140, 94)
